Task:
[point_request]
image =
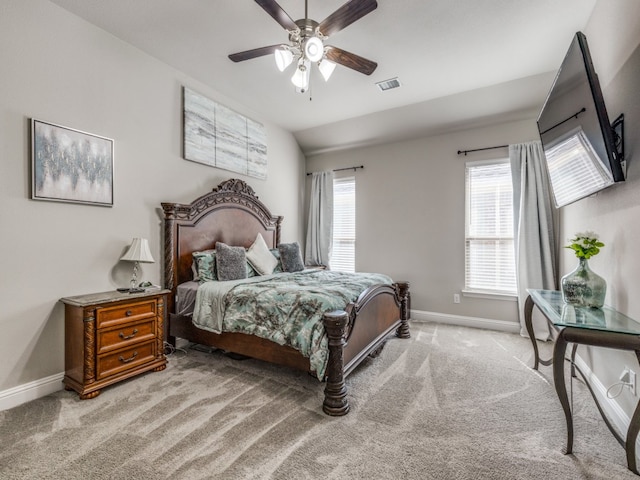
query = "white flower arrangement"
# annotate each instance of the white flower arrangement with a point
(585, 245)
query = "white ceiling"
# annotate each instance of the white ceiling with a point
(459, 61)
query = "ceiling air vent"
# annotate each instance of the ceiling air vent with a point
(388, 84)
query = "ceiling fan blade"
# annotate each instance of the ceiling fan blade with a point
(278, 14)
(350, 60)
(256, 52)
(346, 15)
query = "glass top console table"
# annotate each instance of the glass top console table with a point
(600, 327)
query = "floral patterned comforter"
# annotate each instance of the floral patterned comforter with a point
(286, 308)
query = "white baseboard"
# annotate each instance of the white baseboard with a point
(475, 322)
(30, 391)
(612, 409)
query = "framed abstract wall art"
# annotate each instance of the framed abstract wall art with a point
(217, 136)
(68, 165)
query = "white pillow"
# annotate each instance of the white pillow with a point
(260, 258)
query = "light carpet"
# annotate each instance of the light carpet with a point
(449, 403)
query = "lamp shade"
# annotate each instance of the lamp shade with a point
(313, 49)
(138, 251)
(326, 68)
(283, 58)
(301, 76)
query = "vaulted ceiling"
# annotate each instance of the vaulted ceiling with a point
(459, 62)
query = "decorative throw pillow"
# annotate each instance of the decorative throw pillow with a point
(251, 272)
(204, 266)
(260, 258)
(276, 253)
(194, 271)
(231, 262)
(291, 257)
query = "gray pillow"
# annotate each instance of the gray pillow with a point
(231, 262)
(291, 257)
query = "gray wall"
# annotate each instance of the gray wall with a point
(410, 216)
(56, 67)
(613, 34)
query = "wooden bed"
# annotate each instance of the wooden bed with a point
(233, 214)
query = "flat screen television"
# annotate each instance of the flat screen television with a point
(582, 149)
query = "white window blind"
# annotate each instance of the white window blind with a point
(343, 252)
(489, 256)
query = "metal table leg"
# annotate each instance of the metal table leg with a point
(632, 435)
(561, 389)
(528, 322)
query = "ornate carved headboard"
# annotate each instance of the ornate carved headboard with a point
(230, 213)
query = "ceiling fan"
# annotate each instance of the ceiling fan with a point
(307, 38)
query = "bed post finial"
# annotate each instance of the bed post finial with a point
(335, 393)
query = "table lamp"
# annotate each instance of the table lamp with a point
(138, 252)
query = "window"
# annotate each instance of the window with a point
(489, 255)
(343, 252)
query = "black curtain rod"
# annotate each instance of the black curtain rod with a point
(341, 169)
(460, 152)
(575, 115)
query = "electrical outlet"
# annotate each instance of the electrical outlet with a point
(632, 382)
(456, 298)
(628, 376)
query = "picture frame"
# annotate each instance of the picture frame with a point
(69, 165)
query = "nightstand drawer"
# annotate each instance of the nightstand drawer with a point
(125, 359)
(109, 316)
(112, 336)
(126, 334)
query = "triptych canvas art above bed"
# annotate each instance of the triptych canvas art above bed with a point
(220, 137)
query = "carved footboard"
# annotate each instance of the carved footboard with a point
(357, 332)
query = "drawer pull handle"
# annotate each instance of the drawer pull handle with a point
(127, 337)
(127, 360)
(128, 313)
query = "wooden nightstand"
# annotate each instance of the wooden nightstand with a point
(112, 336)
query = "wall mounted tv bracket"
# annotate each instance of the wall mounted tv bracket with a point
(617, 130)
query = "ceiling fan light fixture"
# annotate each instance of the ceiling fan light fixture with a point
(306, 42)
(300, 77)
(326, 68)
(283, 57)
(313, 49)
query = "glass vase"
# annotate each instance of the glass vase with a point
(583, 287)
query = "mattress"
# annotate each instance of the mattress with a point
(186, 298)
